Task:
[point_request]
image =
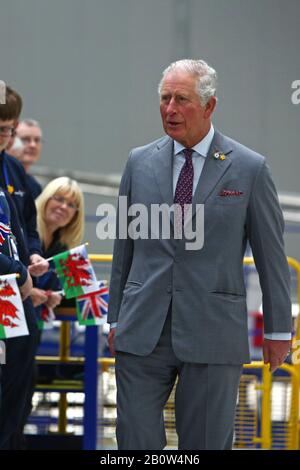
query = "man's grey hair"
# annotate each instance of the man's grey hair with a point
(206, 84)
(31, 123)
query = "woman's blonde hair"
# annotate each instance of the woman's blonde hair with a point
(70, 235)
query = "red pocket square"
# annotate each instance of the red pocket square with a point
(230, 192)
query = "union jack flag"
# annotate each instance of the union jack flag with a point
(4, 232)
(92, 307)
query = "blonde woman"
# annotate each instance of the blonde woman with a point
(60, 222)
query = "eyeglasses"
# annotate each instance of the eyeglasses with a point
(27, 140)
(61, 200)
(7, 131)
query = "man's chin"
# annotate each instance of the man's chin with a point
(30, 160)
(174, 133)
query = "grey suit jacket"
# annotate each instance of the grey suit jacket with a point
(209, 312)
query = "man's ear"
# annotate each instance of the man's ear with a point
(210, 107)
(16, 123)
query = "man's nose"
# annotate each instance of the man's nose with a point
(171, 108)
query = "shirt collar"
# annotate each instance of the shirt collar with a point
(202, 147)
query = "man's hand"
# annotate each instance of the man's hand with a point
(38, 296)
(275, 352)
(54, 299)
(111, 340)
(38, 265)
(26, 288)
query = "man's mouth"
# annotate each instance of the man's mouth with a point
(30, 154)
(173, 123)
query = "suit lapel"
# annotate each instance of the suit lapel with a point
(213, 168)
(162, 164)
(212, 171)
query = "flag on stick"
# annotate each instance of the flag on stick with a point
(46, 314)
(47, 317)
(75, 272)
(12, 316)
(92, 307)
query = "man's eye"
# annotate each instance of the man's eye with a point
(182, 98)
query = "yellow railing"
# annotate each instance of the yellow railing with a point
(265, 439)
(265, 387)
(294, 369)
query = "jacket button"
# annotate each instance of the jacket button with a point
(169, 289)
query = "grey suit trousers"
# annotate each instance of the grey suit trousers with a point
(205, 399)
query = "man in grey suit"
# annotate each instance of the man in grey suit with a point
(179, 313)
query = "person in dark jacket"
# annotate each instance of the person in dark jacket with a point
(23, 250)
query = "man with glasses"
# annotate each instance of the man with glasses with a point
(17, 373)
(30, 133)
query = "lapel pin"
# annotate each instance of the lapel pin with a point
(219, 156)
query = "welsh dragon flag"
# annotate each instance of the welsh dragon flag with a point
(12, 316)
(75, 272)
(47, 316)
(92, 308)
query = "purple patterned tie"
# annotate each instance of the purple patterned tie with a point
(184, 187)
